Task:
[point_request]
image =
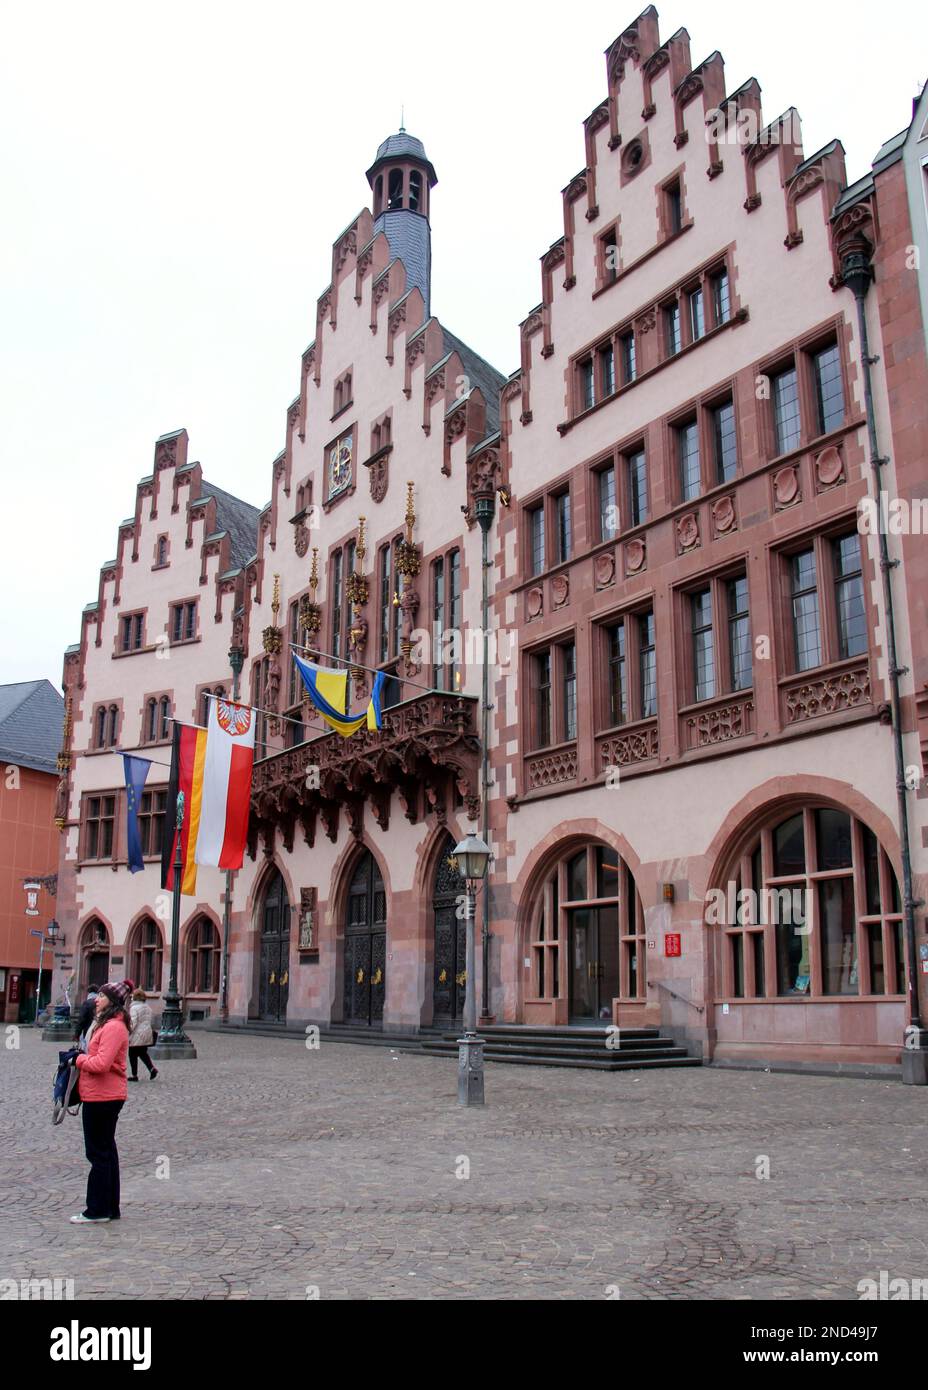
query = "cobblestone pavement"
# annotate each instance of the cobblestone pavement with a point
(336, 1170)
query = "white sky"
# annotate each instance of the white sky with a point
(173, 176)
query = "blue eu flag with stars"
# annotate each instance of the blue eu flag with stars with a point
(136, 770)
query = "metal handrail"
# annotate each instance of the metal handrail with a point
(658, 984)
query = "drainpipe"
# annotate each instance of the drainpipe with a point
(485, 509)
(857, 275)
(236, 661)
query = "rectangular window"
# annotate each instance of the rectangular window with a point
(151, 821)
(569, 690)
(542, 673)
(610, 256)
(386, 600)
(829, 389)
(629, 363)
(786, 411)
(587, 385)
(637, 467)
(562, 516)
(607, 370)
(618, 689)
(703, 646)
(672, 329)
(132, 632)
(647, 659)
(721, 297)
(807, 637)
(697, 315)
(183, 621)
(536, 532)
(724, 442)
(438, 622)
(739, 634)
(673, 207)
(101, 819)
(608, 512)
(687, 437)
(849, 597)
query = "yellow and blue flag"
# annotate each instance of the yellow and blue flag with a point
(328, 693)
(136, 770)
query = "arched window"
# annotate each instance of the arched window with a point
(811, 910)
(151, 721)
(378, 195)
(146, 954)
(100, 736)
(395, 190)
(164, 717)
(203, 956)
(162, 550)
(112, 724)
(587, 935)
(415, 190)
(206, 699)
(95, 955)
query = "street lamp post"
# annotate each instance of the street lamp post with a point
(473, 858)
(51, 938)
(173, 1042)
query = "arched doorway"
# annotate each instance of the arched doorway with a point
(95, 956)
(449, 979)
(274, 977)
(366, 944)
(587, 943)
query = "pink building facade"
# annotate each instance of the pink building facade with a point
(692, 797)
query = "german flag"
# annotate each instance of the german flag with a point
(188, 755)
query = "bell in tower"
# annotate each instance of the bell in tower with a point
(402, 178)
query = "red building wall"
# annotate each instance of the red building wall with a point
(28, 847)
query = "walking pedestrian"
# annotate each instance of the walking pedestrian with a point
(141, 1036)
(103, 1090)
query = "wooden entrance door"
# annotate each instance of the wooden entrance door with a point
(274, 979)
(449, 981)
(366, 945)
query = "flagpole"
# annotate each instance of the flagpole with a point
(236, 661)
(173, 1043)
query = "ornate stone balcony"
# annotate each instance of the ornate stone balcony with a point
(427, 747)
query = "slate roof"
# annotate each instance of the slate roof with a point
(239, 518)
(31, 715)
(481, 374)
(403, 146)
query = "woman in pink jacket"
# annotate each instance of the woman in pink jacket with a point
(103, 1092)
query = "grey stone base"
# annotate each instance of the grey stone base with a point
(861, 1071)
(915, 1068)
(173, 1052)
(57, 1032)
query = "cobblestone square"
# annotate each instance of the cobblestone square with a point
(294, 1171)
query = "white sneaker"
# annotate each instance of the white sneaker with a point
(81, 1220)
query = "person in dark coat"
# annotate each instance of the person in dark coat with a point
(86, 1013)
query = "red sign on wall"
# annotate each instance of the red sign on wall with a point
(673, 944)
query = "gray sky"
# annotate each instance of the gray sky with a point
(173, 178)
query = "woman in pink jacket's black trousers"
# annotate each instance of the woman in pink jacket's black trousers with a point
(103, 1093)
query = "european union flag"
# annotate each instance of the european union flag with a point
(136, 770)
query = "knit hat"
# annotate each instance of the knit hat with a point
(118, 994)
